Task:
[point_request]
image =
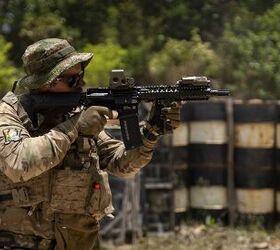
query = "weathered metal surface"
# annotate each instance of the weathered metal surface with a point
(208, 197)
(181, 136)
(209, 132)
(255, 201)
(181, 199)
(254, 135)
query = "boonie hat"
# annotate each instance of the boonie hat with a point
(45, 60)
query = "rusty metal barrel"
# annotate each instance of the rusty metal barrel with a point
(207, 160)
(254, 160)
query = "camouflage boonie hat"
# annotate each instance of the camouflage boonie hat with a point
(45, 60)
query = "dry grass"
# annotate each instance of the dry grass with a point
(201, 237)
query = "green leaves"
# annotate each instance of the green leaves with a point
(236, 43)
(107, 56)
(8, 73)
(181, 57)
(250, 50)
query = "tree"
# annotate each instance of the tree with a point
(107, 56)
(181, 57)
(250, 51)
(8, 73)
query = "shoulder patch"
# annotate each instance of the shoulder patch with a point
(12, 134)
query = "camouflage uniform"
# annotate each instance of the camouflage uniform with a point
(55, 185)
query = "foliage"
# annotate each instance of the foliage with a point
(250, 52)
(235, 42)
(50, 25)
(8, 73)
(181, 57)
(107, 56)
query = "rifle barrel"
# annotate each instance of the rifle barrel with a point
(218, 92)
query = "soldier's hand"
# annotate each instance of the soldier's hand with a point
(164, 120)
(93, 119)
(172, 115)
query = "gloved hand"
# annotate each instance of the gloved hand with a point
(163, 120)
(93, 119)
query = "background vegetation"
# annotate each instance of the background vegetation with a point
(236, 43)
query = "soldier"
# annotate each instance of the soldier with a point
(54, 186)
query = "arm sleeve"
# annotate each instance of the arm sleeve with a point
(119, 161)
(23, 157)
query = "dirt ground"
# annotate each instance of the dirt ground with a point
(201, 237)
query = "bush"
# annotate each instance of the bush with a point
(181, 57)
(107, 56)
(250, 50)
(8, 73)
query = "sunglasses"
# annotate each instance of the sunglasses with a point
(72, 81)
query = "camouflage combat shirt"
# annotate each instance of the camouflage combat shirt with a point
(25, 159)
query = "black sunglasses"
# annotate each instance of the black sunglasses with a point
(74, 80)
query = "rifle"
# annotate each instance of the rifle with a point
(123, 96)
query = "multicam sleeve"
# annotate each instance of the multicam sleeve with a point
(23, 157)
(121, 162)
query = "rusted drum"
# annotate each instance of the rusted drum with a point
(254, 158)
(207, 160)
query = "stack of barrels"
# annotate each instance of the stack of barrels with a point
(188, 173)
(207, 159)
(254, 141)
(254, 160)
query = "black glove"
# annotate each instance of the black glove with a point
(164, 119)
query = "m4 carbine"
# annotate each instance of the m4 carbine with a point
(123, 96)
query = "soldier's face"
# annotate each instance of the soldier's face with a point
(71, 80)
